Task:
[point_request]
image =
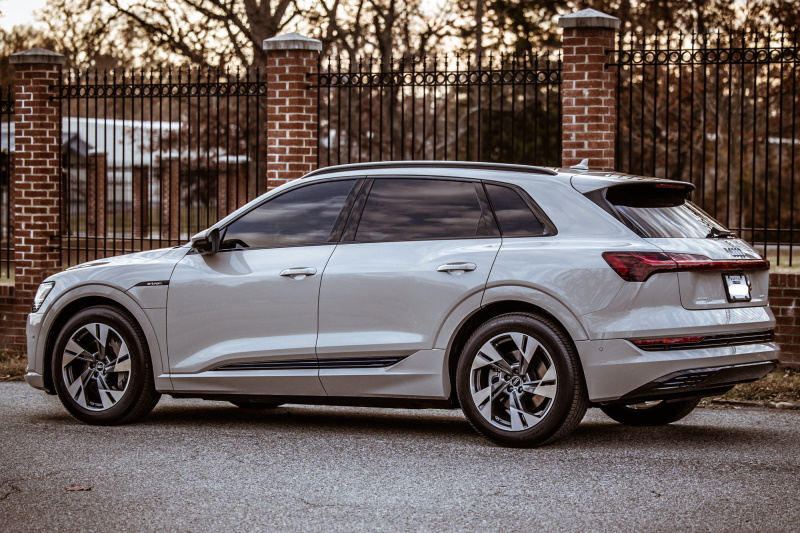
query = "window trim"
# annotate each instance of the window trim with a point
(344, 212)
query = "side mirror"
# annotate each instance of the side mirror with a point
(206, 243)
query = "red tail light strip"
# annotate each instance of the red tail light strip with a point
(705, 341)
(639, 266)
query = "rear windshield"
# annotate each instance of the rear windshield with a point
(685, 221)
(659, 211)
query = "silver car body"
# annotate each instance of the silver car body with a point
(389, 306)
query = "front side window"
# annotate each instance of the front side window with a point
(399, 209)
(300, 217)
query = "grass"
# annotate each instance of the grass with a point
(12, 365)
(782, 385)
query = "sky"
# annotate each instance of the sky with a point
(18, 12)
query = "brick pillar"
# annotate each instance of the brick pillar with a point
(170, 198)
(784, 299)
(232, 185)
(36, 190)
(588, 89)
(291, 107)
(96, 179)
(141, 215)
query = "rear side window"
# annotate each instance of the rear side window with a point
(662, 211)
(399, 209)
(300, 217)
(513, 213)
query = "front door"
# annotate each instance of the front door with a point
(244, 320)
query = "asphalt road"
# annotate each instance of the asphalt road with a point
(205, 466)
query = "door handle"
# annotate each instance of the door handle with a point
(298, 273)
(456, 269)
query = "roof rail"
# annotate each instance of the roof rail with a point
(418, 164)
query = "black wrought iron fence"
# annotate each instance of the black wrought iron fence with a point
(152, 157)
(6, 170)
(505, 109)
(721, 111)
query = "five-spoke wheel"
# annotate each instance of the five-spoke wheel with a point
(101, 367)
(519, 382)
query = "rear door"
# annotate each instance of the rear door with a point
(419, 248)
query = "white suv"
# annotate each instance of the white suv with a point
(521, 294)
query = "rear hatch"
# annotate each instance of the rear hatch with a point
(715, 268)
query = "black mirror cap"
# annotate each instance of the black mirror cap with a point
(207, 244)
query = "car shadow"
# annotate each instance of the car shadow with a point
(442, 425)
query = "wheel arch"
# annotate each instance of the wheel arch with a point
(88, 296)
(496, 308)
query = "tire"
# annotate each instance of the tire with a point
(93, 378)
(256, 405)
(655, 414)
(537, 360)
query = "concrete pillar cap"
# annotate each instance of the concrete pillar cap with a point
(293, 41)
(37, 56)
(588, 18)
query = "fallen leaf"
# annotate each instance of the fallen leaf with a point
(76, 487)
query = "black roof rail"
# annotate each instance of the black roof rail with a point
(475, 165)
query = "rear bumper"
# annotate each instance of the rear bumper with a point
(615, 369)
(697, 382)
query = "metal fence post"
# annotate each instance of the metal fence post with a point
(291, 107)
(37, 184)
(588, 89)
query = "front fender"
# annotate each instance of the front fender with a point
(152, 322)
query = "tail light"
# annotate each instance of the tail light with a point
(639, 266)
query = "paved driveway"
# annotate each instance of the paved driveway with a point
(202, 466)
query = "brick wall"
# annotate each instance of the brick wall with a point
(588, 90)
(36, 193)
(784, 299)
(291, 107)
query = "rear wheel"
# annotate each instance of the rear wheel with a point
(101, 368)
(519, 381)
(656, 413)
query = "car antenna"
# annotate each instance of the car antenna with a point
(583, 166)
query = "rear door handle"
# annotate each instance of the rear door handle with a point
(456, 269)
(298, 273)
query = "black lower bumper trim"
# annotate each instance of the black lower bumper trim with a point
(697, 382)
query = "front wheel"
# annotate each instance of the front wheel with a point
(657, 413)
(101, 368)
(519, 381)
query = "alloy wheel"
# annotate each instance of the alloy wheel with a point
(513, 381)
(96, 366)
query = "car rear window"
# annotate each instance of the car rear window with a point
(660, 211)
(513, 214)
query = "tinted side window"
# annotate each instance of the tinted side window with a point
(422, 209)
(513, 213)
(304, 216)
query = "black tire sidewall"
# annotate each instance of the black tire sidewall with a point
(657, 415)
(566, 371)
(139, 356)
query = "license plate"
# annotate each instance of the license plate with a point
(737, 287)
